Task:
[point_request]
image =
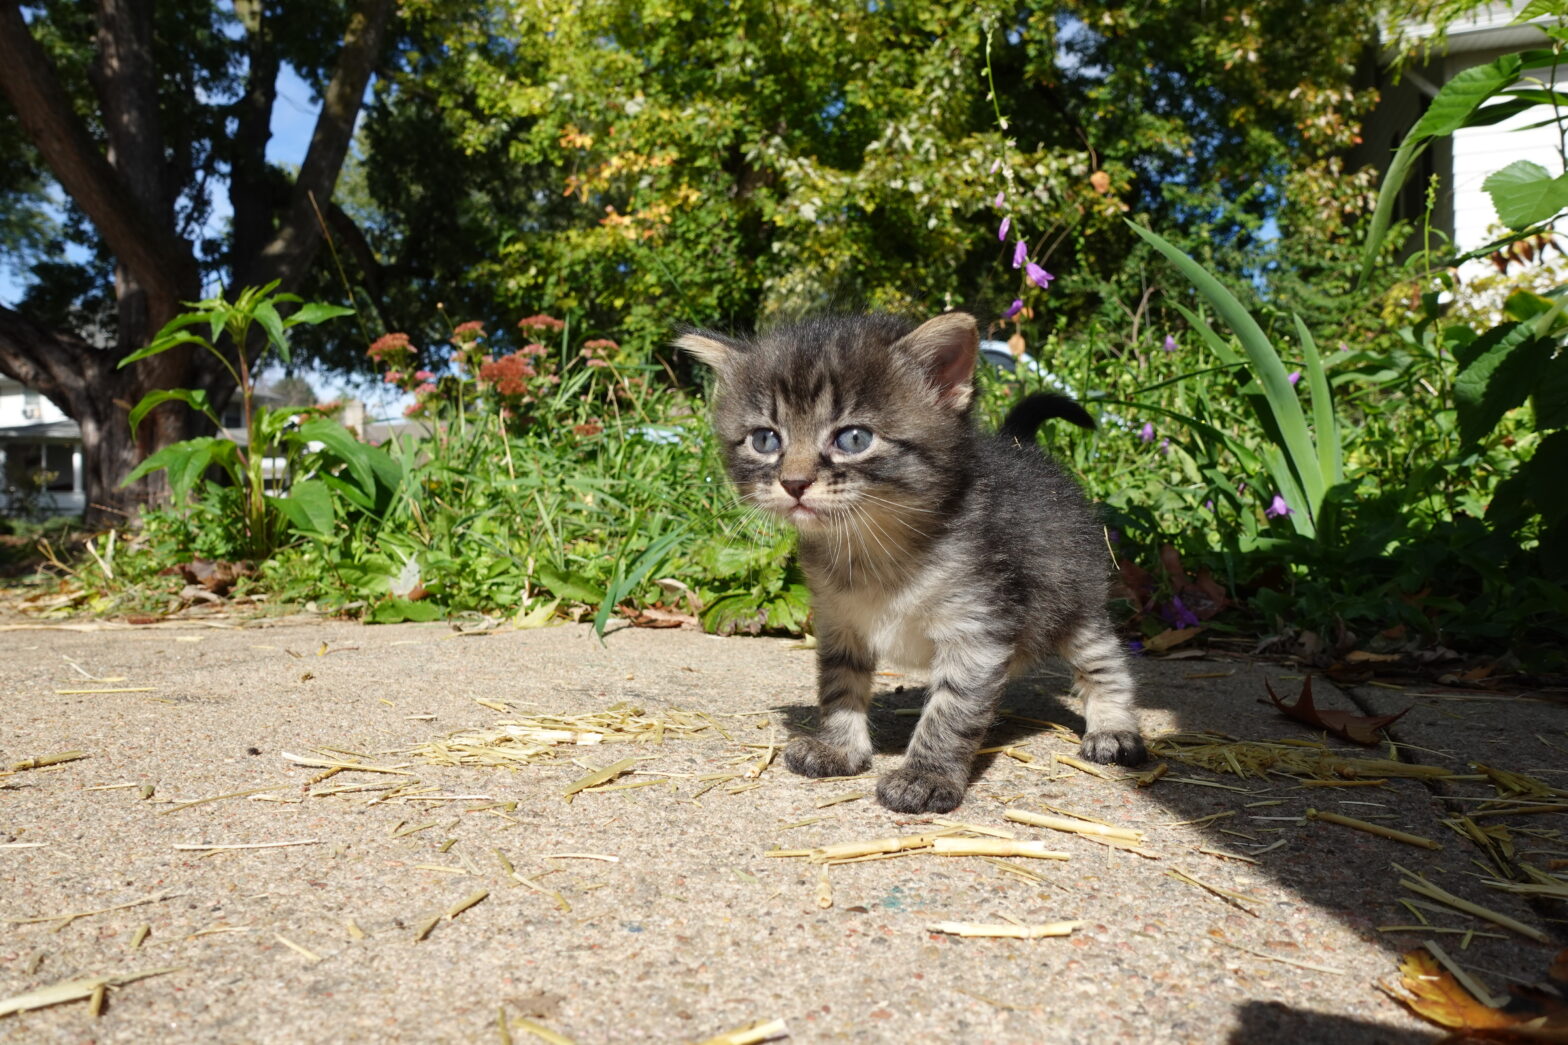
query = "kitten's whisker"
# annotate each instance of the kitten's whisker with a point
(901, 506)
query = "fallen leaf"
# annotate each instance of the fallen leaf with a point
(1358, 729)
(1101, 182)
(1430, 991)
(1169, 639)
(1360, 656)
(657, 616)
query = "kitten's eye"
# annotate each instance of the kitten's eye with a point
(765, 441)
(853, 440)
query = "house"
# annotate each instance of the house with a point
(40, 455)
(1462, 210)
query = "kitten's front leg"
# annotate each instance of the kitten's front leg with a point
(966, 683)
(842, 746)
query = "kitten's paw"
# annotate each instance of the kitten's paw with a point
(1121, 746)
(809, 756)
(909, 790)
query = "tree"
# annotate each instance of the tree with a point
(641, 163)
(136, 109)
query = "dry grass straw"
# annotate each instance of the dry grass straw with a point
(1238, 899)
(1257, 759)
(1004, 931)
(75, 990)
(70, 916)
(538, 1030)
(43, 760)
(997, 847)
(1073, 826)
(1373, 829)
(753, 1034)
(533, 740)
(1419, 884)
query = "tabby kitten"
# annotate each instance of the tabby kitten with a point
(926, 544)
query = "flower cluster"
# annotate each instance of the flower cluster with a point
(598, 351)
(542, 323)
(392, 351)
(1033, 272)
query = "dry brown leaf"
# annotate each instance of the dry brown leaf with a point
(1358, 729)
(1101, 182)
(1170, 638)
(1432, 992)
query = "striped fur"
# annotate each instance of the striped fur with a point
(934, 547)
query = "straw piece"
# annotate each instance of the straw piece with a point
(994, 847)
(1373, 829)
(763, 1030)
(824, 889)
(1462, 976)
(1082, 766)
(71, 916)
(205, 847)
(354, 931)
(1417, 884)
(849, 850)
(600, 776)
(423, 929)
(306, 952)
(73, 990)
(1004, 931)
(359, 767)
(1017, 871)
(1237, 898)
(1145, 779)
(581, 856)
(959, 825)
(1283, 960)
(848, 796)
(141, 935)
(540, 1031)
(1061, 823)
(464, 904)
(219, 798)
(46, 760)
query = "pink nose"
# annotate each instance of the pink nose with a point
(795, 487)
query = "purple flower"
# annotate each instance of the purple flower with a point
(1146, 433)
(1278, 509)
(1001, 233)
(1165, 446)
(1038, 276)
(1295, 375)
(1134, 646)
(1001, 199)
(995, 164)
(1209, 504)
(1012, 310)
(1170, 343)
(1019, 253)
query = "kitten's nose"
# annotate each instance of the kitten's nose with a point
(795, 487)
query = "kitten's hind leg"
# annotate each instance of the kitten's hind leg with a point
(842, 746)
(1103, 677)
(966, 683)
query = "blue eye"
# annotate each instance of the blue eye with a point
(853, 440)
(765, 441)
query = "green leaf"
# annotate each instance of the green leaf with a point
(308, 508)
(344, 446)
(315, 312)
(1526, 194)
(1499, 380)
(1266, 366)
(1540, 9)
(395, 611)
(272, 323)
(1550, 398)
(572, 586)
(162, 344)
(194, 398)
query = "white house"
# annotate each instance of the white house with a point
(40, 455)
(1462, 209)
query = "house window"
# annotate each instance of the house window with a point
(32, 466)
(32, 404)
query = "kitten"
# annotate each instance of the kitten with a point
(926, 544)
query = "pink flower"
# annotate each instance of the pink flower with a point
(541, 322)
(1146, 433)
(425, 389)
(1278, 509)
(1295, 376)
(392, 377)
(1001, 233)
(424, 375)
(1019, 253)
(533, 349)
(1001, 199)
(1038, 276)
(1170, 343)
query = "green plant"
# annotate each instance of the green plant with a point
(228, 338)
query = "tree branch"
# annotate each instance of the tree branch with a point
(163, 263)
(249, 180)
(56, 365)
(297, 239)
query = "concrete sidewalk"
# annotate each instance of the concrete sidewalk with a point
(692, 929)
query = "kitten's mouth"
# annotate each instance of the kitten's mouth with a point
(797, 513)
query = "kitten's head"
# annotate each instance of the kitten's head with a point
(838, 419)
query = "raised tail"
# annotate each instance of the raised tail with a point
(1024, 419)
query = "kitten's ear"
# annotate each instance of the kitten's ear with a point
(716, 350)
(947, 348)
